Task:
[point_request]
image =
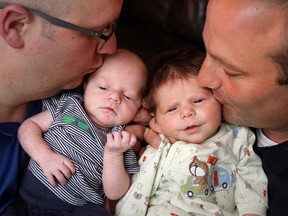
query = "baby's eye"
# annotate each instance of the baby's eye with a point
(127, 97)
(102, 88)
(171, 109)
(198, 101)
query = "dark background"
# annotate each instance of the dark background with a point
(148, 27)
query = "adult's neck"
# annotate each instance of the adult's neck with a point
(276, 136)
(10, 111)
(13, 114)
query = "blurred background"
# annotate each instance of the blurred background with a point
(148, 27)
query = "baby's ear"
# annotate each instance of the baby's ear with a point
(13, 19)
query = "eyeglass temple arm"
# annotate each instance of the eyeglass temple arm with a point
(62, 23)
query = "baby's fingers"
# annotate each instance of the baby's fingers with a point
(56, 177)
(61, 177)
(129, 138)
(71, 168)
(51, 180)
(59, 171)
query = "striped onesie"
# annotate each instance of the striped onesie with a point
(73, 134)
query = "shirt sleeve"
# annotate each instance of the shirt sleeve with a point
(55, 105)
(251, 184)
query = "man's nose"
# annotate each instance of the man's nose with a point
(208, 76)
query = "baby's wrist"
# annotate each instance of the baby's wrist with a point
(114, 154)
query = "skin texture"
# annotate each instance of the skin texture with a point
(239, 68)
(116, 93)
(185, 111)
(46, 65)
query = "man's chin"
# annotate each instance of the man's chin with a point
(229, 117)
(73, 85)
(234, 118)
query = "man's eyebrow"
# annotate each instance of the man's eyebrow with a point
(226, 62)
(106, 25)
(219, 59)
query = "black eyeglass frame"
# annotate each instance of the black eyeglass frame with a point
(61, 23)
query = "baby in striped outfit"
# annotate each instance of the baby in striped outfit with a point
(79, 152)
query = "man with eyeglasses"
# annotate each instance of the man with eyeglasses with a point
(45, 47)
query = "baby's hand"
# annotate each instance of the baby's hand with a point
(119, 142)
(56, 166)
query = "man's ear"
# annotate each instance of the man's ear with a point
(12, 20)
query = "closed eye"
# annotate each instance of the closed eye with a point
(171, 109)
(102, 88)
(198, 101)
(232, 73)
(127, 97)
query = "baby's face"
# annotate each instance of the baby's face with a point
(114, 94)
(187, 112)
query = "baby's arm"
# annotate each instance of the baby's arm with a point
(53, 165)
(116, 180)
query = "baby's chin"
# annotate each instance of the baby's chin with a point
(102, 124)
(194, 140)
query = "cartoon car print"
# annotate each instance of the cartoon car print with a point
(193, 191)
(219, 178)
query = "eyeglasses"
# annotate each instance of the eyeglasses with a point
(104, 35)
